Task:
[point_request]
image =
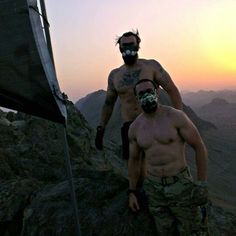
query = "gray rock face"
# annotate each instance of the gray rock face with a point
(35, 194)
(102, 208)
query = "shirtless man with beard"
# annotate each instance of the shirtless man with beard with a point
(161, 132)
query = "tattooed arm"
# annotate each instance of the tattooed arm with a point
(164, 80)
(110, 100)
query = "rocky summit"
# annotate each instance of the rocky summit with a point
(35, 191)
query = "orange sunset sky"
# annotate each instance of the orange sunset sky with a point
(194, 40)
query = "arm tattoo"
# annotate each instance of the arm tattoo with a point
(110, 84)
(111, 92)
(164, 78)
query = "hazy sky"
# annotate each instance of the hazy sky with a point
(194, 40)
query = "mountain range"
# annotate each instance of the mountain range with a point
(219, 111)
(202, 97)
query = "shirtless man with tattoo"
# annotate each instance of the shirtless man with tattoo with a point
(121, 82)
(161, 133)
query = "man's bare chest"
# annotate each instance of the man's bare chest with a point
(162, 133)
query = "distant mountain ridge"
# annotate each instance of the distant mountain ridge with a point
(202, 97)
(218, 111)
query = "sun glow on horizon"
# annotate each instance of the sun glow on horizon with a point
(193, 40)
(218, 36)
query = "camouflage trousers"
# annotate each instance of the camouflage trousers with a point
(171, 206)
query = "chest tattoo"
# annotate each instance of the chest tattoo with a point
(129, 78)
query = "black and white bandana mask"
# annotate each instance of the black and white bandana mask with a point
(148, 102)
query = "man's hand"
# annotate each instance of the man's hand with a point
(199, 194)
(99, 137)
(133, 202)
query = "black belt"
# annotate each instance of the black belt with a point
(167, 180)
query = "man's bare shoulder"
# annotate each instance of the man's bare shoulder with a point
(172, 112)
(138, 119)
(177, 116)
(116, 72)
(150, 62)
(135, 125)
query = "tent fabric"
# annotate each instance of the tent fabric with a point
(28, 81)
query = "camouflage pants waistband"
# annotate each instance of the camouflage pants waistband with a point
(167, 180)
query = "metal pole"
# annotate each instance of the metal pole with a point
(66, 151)
(46, 29)
(71, 183)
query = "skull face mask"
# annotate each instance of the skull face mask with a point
(148, 101)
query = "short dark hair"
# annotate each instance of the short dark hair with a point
(127, 34)
(143, 81)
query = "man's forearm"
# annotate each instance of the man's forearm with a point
(106, 115)
(201, 162)
(173, 92)
(134, 170)
(176, 99)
